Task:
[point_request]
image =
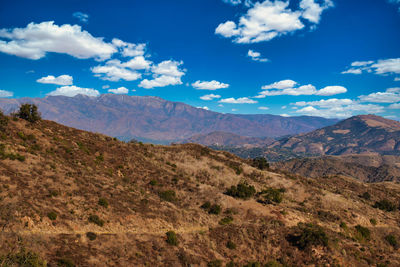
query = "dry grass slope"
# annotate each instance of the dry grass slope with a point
(84, 199)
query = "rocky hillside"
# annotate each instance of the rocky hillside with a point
(356, 135)
(344, 166)
(75, 198)
(148, 118)
(228, 139)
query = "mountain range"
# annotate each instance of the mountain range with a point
(148, 118)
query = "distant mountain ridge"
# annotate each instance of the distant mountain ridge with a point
(356, 135)
(153, 118)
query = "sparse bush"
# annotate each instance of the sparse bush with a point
(3, 121)
(273, 264)
(373, 221)
(392, 240)
(362, 233)
(308, 235)
(65, 262)
(366, 196)
(343, 225)
(96, 220)
(206, 206)
(252, 264)
(385, 205)
(153, 182)
(271, 195)
(52, 215)
(23, 258)
(226, 220)
(242, 190)
(103, 202)
(215, 209)
(28, 112)
(230, 245)
(168, 195)
(92, 236)
(214, 263)
(172, 239)
(260, 163)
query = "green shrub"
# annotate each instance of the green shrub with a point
(23, 258)
(362, 233)
(3, 121)
(172, 239)
(385, 205)
(343, 225)
(28, 112)
(92, 236)
(309, 235)
(366, 196)
(206, 206)
(65, 262)
(271, 195)
(103, 202)
(392, 240)
(230, 245)
(215, 209)
(52, 215)
(242, 190)
(273, 264)
(252, 264)
(260, 163)
(226, 220)
(96, 220)
(373, 221)
(214, 263)
(168, 195)
(153, 182)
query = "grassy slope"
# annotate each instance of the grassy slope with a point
(67, 171)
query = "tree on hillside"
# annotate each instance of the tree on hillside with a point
(29, 112)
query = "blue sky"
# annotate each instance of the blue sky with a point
(332, 58)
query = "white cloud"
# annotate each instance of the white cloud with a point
(4, 93)
(269, 19)
(129, 49)
(256, 56)
(381, 67)
(73, 91)
(211, 85)
(336, 108)
(284, 115)
(395, 106)
(119, 91)
(331, 90)
(234, 109)
(397, 79)
(35, 40)
(286, 87)
(210, 97)
(312, 11)
(105, 86)
(81, 16)
(241, 100)
(60, 80)
(164, 74)
(232, 2)
(205, 107)
(115, 73)
(391, 95)
(263, 22)
(263, 108)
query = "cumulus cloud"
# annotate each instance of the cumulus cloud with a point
(115, 73)
(256, 56)
(119, 91)
(312, 10)
(81, 16)
(211, 85)
(263, 108)
(232, 2)
(165, 73)
(269, 19)
(391, 95)
(35, 40)
(60, 80)
(287, 87)
(335, 108)
(381, 67)
(4, 93)
(241, 100)
(73, 91)
(210, 97)
(394, 106)
(129, 49)
(105, 86)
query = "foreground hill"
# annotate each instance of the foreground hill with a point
(154, 119)
(71, 197)
(228, 139)
(356, 135)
